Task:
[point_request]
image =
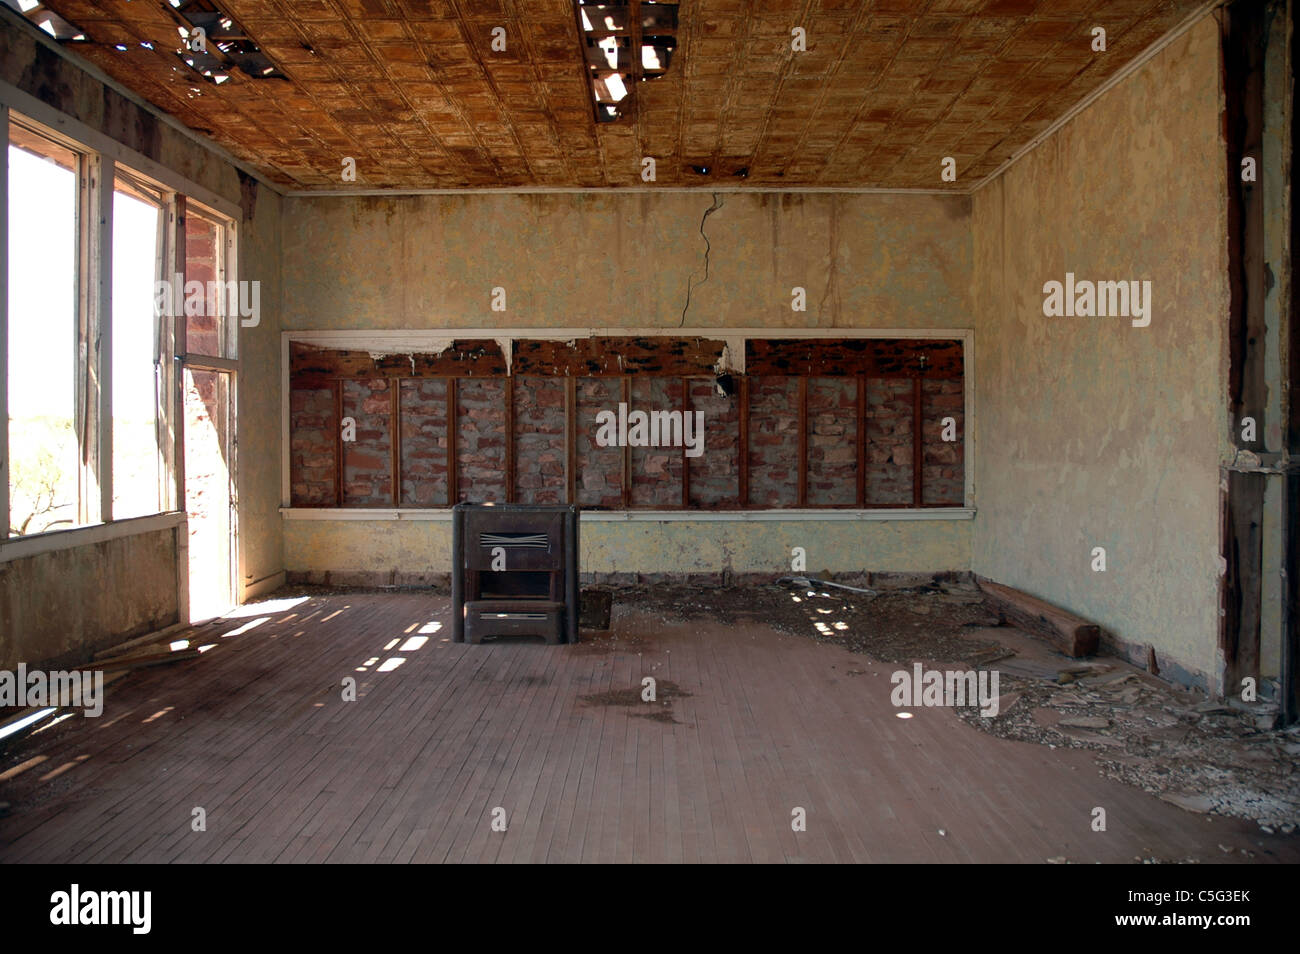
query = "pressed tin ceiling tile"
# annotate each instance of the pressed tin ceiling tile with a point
(416, 92)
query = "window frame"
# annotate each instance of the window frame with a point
(101, 155)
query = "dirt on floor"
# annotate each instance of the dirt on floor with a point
(1203, 756)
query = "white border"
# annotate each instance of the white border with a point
(397, 340)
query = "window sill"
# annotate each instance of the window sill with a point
(16, 548)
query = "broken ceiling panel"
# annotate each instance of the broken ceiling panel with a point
(444, 94)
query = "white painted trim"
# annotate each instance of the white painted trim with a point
(1122, 74)
(17, 548)
(650, 516)
(25, 26)
(424, 337)
(92, 140)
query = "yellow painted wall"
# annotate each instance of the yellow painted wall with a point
(368, 550)
(1091, 432)
(603, 260)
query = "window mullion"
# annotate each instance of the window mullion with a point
(101, 321)
(4, 322)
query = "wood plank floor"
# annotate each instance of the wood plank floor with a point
(256, 734)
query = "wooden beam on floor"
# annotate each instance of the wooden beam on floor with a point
(1071, 634)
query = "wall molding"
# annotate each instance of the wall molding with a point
(443, 515)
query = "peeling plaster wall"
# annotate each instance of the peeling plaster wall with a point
(1091, 432)
(412, 551)
(601, 260)
(66, 604)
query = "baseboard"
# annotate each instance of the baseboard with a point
(267, 584)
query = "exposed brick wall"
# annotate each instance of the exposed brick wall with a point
(539, 440)
(312, 427)
(832, 442)
(656, 471)
(202, 332)
(773, 441)
(538, 430)
(481, 440)
(424, 442)
(368, 461)
(943, 481)
(889, 442)
(600, 469)
(715, 476)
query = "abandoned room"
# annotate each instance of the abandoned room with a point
(642, 431)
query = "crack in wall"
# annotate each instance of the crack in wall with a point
(708, 247)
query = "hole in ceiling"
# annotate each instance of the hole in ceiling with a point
(620, 51)
(48, 20)
(225, 46)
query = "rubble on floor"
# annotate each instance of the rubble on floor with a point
(1205, 757)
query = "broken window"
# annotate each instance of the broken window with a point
(138, 346)
(632, 424)
(624, 44)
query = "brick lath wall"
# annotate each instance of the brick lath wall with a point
(773, 441)
(313, 425)
(520, 427)
(715, 475)
(889, 442)
(424, 442)
(539, 440)
(480, 440)
(599, 477)
(368, 461)
(832, 442)
(943, 473)
(656, 471)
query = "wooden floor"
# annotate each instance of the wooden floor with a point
(256, 734)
